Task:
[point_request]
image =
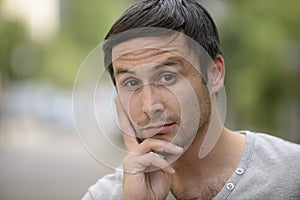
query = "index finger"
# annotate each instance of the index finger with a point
(127, 129)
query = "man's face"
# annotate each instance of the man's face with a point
(161, 89)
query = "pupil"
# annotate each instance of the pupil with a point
(168, 77)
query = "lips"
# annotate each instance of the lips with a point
(153, 130)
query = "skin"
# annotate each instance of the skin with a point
(165, 108)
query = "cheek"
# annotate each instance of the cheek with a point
(204, 99)
(129, 105)
(202, 94)
(171, 103)
(186, 97)
(134, 109)
(134, 112)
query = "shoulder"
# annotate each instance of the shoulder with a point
(107, 187)
(275, 148)
(271, 169)
(275, 159)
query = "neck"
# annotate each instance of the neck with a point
(209, 142)
(216, 165)
(227, 152)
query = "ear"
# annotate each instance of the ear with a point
(216, 75)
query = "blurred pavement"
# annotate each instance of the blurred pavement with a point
(41, 156)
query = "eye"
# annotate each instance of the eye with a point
(167, 78)
(132, 83)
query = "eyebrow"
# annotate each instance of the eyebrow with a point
(167, 62)
(124, 71)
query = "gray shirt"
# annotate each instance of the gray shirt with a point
(269, 169)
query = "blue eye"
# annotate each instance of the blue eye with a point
(132, 83)
(167, 78)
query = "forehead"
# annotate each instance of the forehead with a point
(152, 48)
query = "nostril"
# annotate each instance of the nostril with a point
(156, 111)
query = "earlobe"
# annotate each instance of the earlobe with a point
(217, 74)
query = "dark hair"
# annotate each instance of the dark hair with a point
(179, 15)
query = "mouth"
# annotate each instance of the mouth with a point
(159, 128)
(157, 131)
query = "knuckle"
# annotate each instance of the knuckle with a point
(126, 160)
(154, 143)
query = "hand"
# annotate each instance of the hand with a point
(138, 181)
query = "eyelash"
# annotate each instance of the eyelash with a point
(127, 82)
(167, 82)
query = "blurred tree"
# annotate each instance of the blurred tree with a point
(11, 33)
(260, 41)
(83, 26)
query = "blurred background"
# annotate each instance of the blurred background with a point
(43, 43)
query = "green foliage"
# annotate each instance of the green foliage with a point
(11, 34)
(260, 41)
(83, 26)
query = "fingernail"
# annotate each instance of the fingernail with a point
(179, 149)
(172, 171)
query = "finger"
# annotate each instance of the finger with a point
(128, 131)
(157, 162)
(158, 146)
(146, 163)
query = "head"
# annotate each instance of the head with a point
(161, 67)
(186, 16)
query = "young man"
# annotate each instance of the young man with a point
(165, 60)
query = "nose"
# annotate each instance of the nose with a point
(151, 102)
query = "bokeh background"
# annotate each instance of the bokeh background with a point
(44, 42)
